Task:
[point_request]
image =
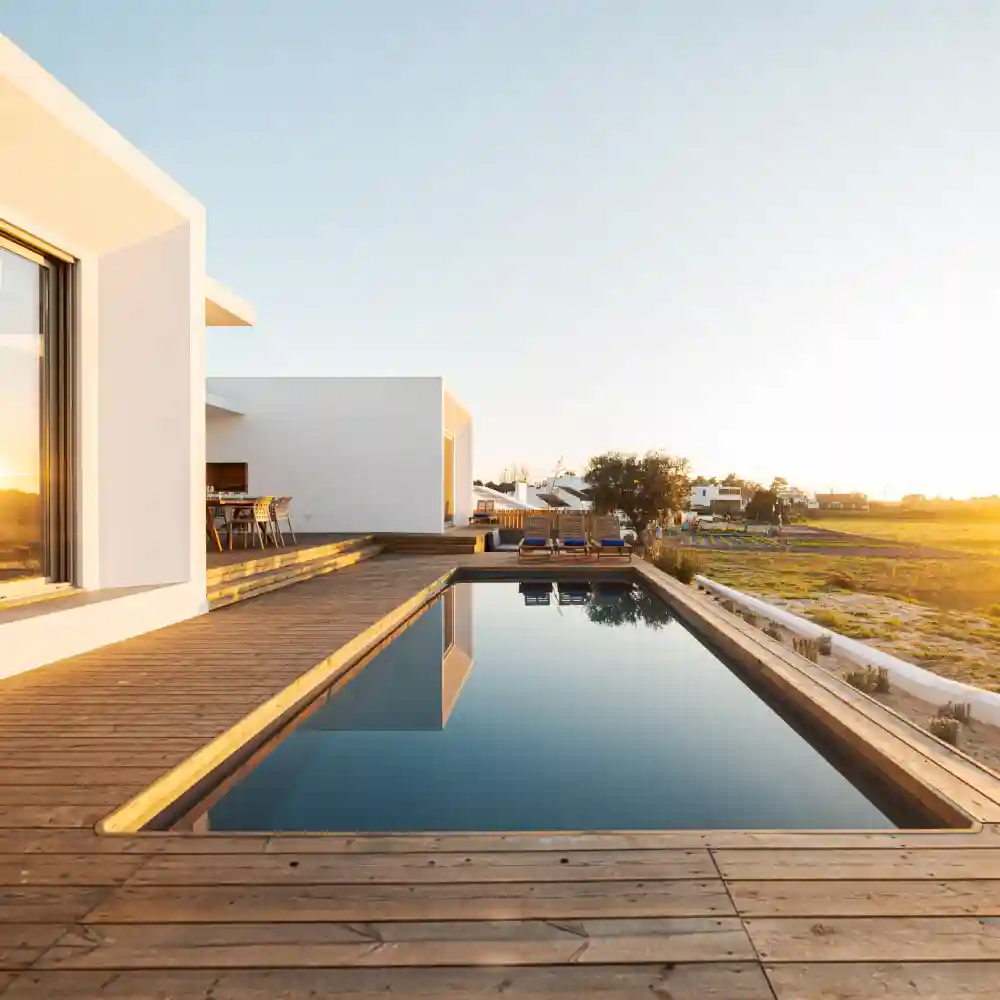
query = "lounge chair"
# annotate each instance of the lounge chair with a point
(608, 539)
(536, 594)
(573, 538)
(485, 512)
(537, 530)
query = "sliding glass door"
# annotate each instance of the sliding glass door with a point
(21, 358)
(36, 380)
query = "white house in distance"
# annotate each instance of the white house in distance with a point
(333, 445)
(709, 497)
(104, 303)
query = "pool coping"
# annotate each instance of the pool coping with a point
(964, 794)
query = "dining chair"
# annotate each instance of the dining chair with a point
(281, 510)
(254, 522)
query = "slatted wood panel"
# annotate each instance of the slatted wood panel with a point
(714, 916)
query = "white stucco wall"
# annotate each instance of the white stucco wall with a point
(355, 454)
(139, 240)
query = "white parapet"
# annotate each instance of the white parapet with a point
(916, 680)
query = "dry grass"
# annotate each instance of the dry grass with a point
(948, 584)
(981, 538)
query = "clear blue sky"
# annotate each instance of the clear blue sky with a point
(763, 234)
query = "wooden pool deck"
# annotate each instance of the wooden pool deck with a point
(671, 916)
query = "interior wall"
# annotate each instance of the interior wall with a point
(357, 455)
(458, 422)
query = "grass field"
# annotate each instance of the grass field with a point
(979, 537)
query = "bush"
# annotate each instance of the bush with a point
(773, 631)
(959, 711)
(825, 644)
(944, 729)
(809, 648)
(752, 618)
(841, 581)
(677, 562)
(869, 680)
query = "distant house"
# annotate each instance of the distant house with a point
(794, 497)
(712, 499)
(560, 491)
(842, 501)
(504, 501)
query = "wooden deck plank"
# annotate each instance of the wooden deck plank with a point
(47, 905)
(877, 939)
(505, 866)
(866, 863)
(892, 981)
(445, 901)
(414, 944)
(847, 899)
(67, 869)
(710, 981)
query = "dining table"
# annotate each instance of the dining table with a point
(229, 502)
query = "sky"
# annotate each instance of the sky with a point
(762, 235)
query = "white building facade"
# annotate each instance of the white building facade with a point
(104, 303)
(364, 455)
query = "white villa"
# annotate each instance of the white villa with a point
(104, 306)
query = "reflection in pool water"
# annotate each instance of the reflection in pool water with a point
(543, 706)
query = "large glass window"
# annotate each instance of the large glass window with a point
(36, 418)
(21, 355)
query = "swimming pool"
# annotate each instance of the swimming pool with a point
(545, 705)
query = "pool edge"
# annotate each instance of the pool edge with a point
(963, 808)
(258, 724)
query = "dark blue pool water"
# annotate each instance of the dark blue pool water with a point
(517, 707)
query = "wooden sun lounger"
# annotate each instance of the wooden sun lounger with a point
(573, 540)
(485, 513)
(537, 540)
(608, 539)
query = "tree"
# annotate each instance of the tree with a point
(779, 484)
(705, 481)
(732, 480)
(644, 489)
(625, 604)
(762, 506)
(477, 482)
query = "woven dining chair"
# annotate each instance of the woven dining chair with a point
(254, 522)
(281, 510)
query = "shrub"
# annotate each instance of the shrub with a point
(773, 631)
(808, 648)
(839, 580)
(959, 711)
(752, 618)
(825, 644)
(677, 562)
(869, 680)
(944, 729)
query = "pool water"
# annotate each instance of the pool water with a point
(507, 706)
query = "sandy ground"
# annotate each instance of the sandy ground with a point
(979, 740)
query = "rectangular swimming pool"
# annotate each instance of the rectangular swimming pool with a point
(545, 706)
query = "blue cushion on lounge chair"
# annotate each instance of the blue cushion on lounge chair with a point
(574, 541)
(536, 541)
(482, 514)
(619, 542)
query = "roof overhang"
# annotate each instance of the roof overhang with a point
(218, 404)
(226, 308)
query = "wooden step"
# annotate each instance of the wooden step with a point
(277, 560)
(256, 584)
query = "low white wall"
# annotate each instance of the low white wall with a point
(355, 454)
(50, 635)
(907, 676)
